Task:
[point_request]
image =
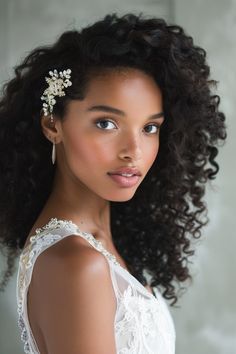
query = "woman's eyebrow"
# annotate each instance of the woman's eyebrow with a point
(110, 109)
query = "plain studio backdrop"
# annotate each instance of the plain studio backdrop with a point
(206, 318)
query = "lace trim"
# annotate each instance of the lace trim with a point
(24, 335)
(54, 223)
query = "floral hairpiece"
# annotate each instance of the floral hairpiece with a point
(56, 84)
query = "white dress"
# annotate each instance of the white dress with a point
(143, 324)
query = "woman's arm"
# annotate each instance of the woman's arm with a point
(76, 303)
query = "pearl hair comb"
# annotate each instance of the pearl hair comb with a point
(56, 84)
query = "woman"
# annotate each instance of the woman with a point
(126, 106)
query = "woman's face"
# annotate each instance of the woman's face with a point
(112, 128)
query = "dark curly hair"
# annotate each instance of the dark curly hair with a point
(153, 230)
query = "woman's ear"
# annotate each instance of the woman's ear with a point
(51, 130)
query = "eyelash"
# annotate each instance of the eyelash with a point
(108, 120)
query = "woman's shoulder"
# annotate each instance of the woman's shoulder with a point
(71, 254)
(59, 249)
(68, 277)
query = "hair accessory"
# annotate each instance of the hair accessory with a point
(56, 84)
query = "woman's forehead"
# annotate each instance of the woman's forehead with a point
(129, 85)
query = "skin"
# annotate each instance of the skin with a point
(86, 152)
(68, 309)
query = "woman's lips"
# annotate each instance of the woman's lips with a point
(124, 181)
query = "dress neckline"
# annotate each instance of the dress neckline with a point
(54, 223)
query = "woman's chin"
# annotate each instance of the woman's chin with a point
(122, 197)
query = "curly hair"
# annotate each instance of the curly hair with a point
(152, 231)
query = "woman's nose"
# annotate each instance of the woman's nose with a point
(130, 147)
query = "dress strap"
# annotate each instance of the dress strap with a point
(55, 230)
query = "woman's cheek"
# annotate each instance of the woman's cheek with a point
(153, 151)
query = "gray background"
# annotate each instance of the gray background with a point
(206, 318)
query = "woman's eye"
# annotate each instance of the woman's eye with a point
(104, 123)
(107, 124)
(155, 130)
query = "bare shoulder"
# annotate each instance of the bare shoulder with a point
(69, 252)
(69, 259)
(72, 287)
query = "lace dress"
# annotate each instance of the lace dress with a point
(143, 324)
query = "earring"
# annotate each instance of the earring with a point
(53, 153)
(53, 146)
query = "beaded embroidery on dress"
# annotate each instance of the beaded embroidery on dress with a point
(143, 324)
